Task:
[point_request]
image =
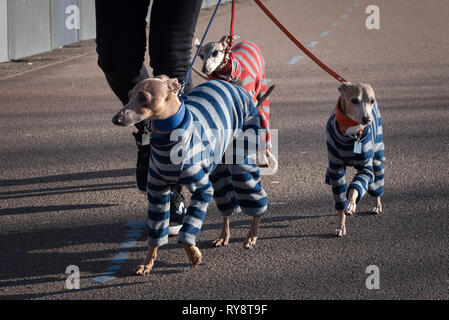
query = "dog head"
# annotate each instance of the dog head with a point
(147, 101)
(357, 101)
(213, 53)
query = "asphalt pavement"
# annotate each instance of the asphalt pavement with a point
(68, 196)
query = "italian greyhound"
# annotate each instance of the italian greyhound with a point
(180, 131)
(242, 64)
(354, 138)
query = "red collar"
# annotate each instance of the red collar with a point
(226, 73)
(343, 120)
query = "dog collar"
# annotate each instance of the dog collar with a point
(344, 121)
(173, 121)
(231, 70)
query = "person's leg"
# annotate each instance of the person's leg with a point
(121, 43)
(172, 27)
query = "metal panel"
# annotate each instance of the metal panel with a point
(65, 22)
(210, 3)
(87, 14)
(29, 29)
(3, 31)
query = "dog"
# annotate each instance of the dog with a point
(189, 140)
(242, 64)
(354, 138)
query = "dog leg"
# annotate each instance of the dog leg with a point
(378, 206)
(262, 160)
(251, 237)
(352, 198)
(148, 263)
(193, 253)
(341, 230)
(225, 234)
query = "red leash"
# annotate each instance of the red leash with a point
(231, 32)
(299, 44)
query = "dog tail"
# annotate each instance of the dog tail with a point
(261, 100)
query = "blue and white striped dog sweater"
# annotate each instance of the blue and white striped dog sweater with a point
(369, 163)
(212, 117)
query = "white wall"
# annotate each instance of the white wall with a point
(29, 30)
(32, 26)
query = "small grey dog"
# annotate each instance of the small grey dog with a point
(354, 138)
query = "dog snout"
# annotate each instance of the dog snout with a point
(205, 70)
(118, 119)
(366, 120)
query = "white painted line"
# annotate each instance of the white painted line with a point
(294, 59)
(312, 44)
(104, 278)
(47, 66)
(137, 227)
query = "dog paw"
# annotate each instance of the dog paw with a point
(225, 235)
(220, 242)
(194, 254)
(350, 209)
(143, 269)
(340, 232)
(377, 210)
(250, 242)
(262, 160)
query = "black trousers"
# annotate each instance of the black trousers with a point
(121, 40)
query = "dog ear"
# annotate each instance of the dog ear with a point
(344, 86)
(367, 85)
(196, 43)
(201, 53)
(225, 41)
(163, 77)
(224, 38)
(173, 85)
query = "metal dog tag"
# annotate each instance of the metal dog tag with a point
(145, 139)
(357, 147)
